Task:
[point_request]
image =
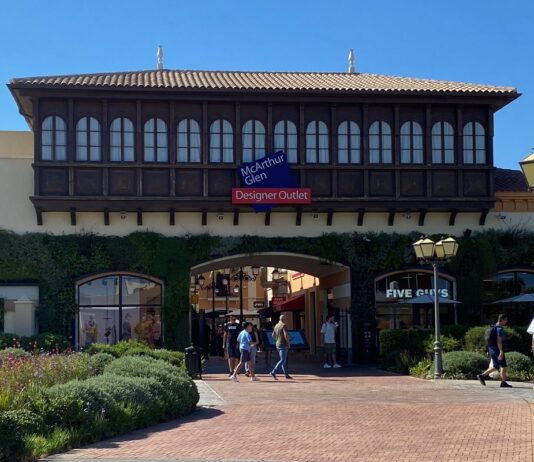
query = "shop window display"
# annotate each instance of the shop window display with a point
(119, 307)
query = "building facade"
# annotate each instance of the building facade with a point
(160, 151)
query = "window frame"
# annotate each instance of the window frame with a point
(474, 150)
(221, 134)
(442, 136)
(314, 129)
(189, 133)
(286, 124)
(87, 135)
(413, 126)
(54, 132)
(350, 124)
(121, 146)
(154, 133)
(381, 138)
(257, 129)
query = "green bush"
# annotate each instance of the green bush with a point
(127, 345)
(524, 341)
(184, 392)
(46, 341)
(423, 369)
(6, 340)
(520, 366)
(475, 340)
(99, 361)
(457, 332)
(463, 364)
(14, 426)
(447, 344)
(96, 348)
(176, 358)
(13, 352)
(402, 348)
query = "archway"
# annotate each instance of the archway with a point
(314, 288)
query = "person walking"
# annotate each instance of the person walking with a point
(255, 334)
(328, 329)
(245, 344)
(283, 344)
(231, 348)
(496, 348)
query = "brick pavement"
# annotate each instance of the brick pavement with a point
(346, 415)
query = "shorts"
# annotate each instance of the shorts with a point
(494, 355)
(245, 356)
(233, 351)
(329, 348)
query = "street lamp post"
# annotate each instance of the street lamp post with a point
(238, 288)
(226, 283)
(436, 253)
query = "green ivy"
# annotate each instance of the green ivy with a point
(56, 262)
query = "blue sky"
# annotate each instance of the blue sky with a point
(483, 41)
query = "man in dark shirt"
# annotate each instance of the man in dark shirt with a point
(496, 349)
(231, 346)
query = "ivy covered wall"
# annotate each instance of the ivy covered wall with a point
(56, 262)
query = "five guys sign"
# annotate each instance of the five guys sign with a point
(269, 181)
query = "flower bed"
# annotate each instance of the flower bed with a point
(50, 403)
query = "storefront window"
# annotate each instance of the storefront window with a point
(119, 307)
(392, 289)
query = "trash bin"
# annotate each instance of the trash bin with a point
(193, 361)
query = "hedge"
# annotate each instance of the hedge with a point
(46, 341)
(133, 392)
(463, 364)
(402, 348)
(515, 341)
(520, 366)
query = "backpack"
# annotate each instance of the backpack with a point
(490, 336)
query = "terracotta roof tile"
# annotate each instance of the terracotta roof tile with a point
(261, 81)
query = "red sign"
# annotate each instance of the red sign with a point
(277, 301)
(271, 196)
(297, 275)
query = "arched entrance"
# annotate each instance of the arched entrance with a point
(306, 289)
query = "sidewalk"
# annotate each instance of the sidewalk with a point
(343, 415)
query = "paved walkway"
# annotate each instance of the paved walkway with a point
(356, 414)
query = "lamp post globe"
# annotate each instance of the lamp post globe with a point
(201, 280)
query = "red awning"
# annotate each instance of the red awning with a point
(293, 304)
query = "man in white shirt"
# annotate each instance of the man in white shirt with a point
(328, 329)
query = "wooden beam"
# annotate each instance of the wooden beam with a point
(204, 217)
(329, 217)
(483, 215)
(268, 218)
(236, 217)
(391, 217)
(139, 217)
(361, 215)
(452, 217)
(106, 217)
(422, 216)
(72, 216)
(298, 221)
(39, 214)
(171, 217)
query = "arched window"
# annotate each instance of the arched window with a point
(53, 139)
(122, 140)
(348, 143)
(411, 143)
(474, 143)
(156, 143)
(380, 143)
(88, 142)
(442, 143)
(253, 140)
(285, 139)
(221, 142)
(119, 306)
(317, 143)
(188, 141)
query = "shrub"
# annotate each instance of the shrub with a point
(98, 362)
(447, 344)
(463, 364)
(402, 348)
(423, 369)
(14, 426)
(12, 353)
(6, 340)
(457, 332)
(520, 366)
(46, 341)
(126, 345)
(176, 358)
(475, 340)
(96, 348)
